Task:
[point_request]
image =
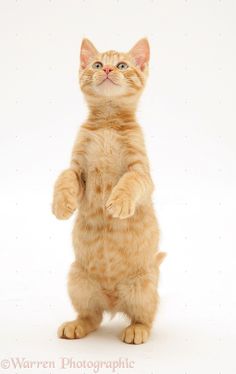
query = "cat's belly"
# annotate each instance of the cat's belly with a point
(110, 249)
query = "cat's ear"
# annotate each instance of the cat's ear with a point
(87, 52)
(141, 53)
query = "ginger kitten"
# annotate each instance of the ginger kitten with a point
(115, 235)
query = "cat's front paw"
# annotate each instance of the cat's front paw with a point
(66, 192)
(64, 204)
(120, 205)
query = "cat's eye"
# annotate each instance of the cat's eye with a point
(122, 66)
(97, 65)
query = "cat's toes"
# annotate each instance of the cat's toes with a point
(71, 330)
(63, 205)
(135, 334)
(120, 207)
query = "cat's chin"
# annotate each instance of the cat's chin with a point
(109, 88)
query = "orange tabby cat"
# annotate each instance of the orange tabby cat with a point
(116, 234)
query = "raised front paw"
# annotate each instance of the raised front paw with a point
(65, 199)
(64, 204)
(120, 205)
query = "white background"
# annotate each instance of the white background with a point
(188, 116)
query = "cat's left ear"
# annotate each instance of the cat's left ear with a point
(141, 53)
(87, 52)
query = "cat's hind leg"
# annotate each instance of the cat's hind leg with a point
(139, 300)
(86, 298)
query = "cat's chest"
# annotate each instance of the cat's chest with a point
(105, 151)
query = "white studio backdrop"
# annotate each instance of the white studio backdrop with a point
(188, 116)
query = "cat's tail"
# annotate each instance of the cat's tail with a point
(159, 258)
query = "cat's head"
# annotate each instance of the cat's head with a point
(113, 74)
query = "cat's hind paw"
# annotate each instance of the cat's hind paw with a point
(71, 330)
(136, 333)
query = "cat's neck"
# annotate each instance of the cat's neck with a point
(112, 110)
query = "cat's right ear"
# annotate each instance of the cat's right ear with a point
(141, 53)
(87, 52)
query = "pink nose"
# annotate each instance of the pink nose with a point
(107, 69)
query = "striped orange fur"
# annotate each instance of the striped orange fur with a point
(116, 234)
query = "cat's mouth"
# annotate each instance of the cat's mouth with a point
(107, 79)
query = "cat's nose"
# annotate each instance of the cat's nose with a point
(107, 69)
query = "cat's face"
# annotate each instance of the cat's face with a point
(113, 74)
